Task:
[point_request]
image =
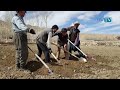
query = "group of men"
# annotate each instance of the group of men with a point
(43, 40)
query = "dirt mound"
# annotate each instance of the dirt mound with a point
(105, 66)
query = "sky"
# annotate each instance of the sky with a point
(91, 22)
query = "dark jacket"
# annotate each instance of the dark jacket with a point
(61, 39)
(74, 35)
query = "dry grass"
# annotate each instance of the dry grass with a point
(98, 37)
(106, 66)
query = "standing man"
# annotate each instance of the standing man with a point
(62, 41)
(20, 39)
(74, 38)
(43, 41)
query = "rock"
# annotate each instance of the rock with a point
(59, 75)
(74, 71)
(11, 74)
(37, 76)
(9, 68)
(27, 72)
(4, 57)
(66, 64)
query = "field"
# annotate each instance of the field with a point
(106, 66)
(104, 48)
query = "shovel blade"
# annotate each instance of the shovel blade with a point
(83, 59)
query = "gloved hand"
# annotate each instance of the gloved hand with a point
(32, 31)
(50, 50)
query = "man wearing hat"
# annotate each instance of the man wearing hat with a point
(20, 30)
(62, 41)
(74, 38)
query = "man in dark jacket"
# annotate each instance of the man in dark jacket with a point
(62, 41)
(74, 38)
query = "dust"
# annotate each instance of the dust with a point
(106, 65)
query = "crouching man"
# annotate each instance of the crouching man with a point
(20, 39)
(43, 41)
(62, 42)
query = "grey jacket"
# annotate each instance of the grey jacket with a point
(18, 24)
(45, 37)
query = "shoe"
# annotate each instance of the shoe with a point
(69, 58)
(58, 58)
(63, 58)
(47, 61)
(17, 67)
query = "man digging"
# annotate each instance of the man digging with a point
(62, 42)
(74, 38)
(43, 41)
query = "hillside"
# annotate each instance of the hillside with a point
(98, 37)
(6, 31)
(7, 26)
(105, 49)
(6, 34)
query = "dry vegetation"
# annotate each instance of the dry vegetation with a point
(106, 66)
(6, 33)
(104, 48)
(98, 37)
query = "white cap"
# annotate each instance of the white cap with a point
(72, 24)
(76, 22)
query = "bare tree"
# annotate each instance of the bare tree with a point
(8, 29)
(45, 16)
(41, 17)
(41, 24)
(36, 18)
(8, 16)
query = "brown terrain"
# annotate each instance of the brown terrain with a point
(104, 48)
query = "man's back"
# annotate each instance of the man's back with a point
(43, 36)
(73, 34)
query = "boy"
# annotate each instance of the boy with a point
(62, 41)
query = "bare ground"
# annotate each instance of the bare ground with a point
(106, 66)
